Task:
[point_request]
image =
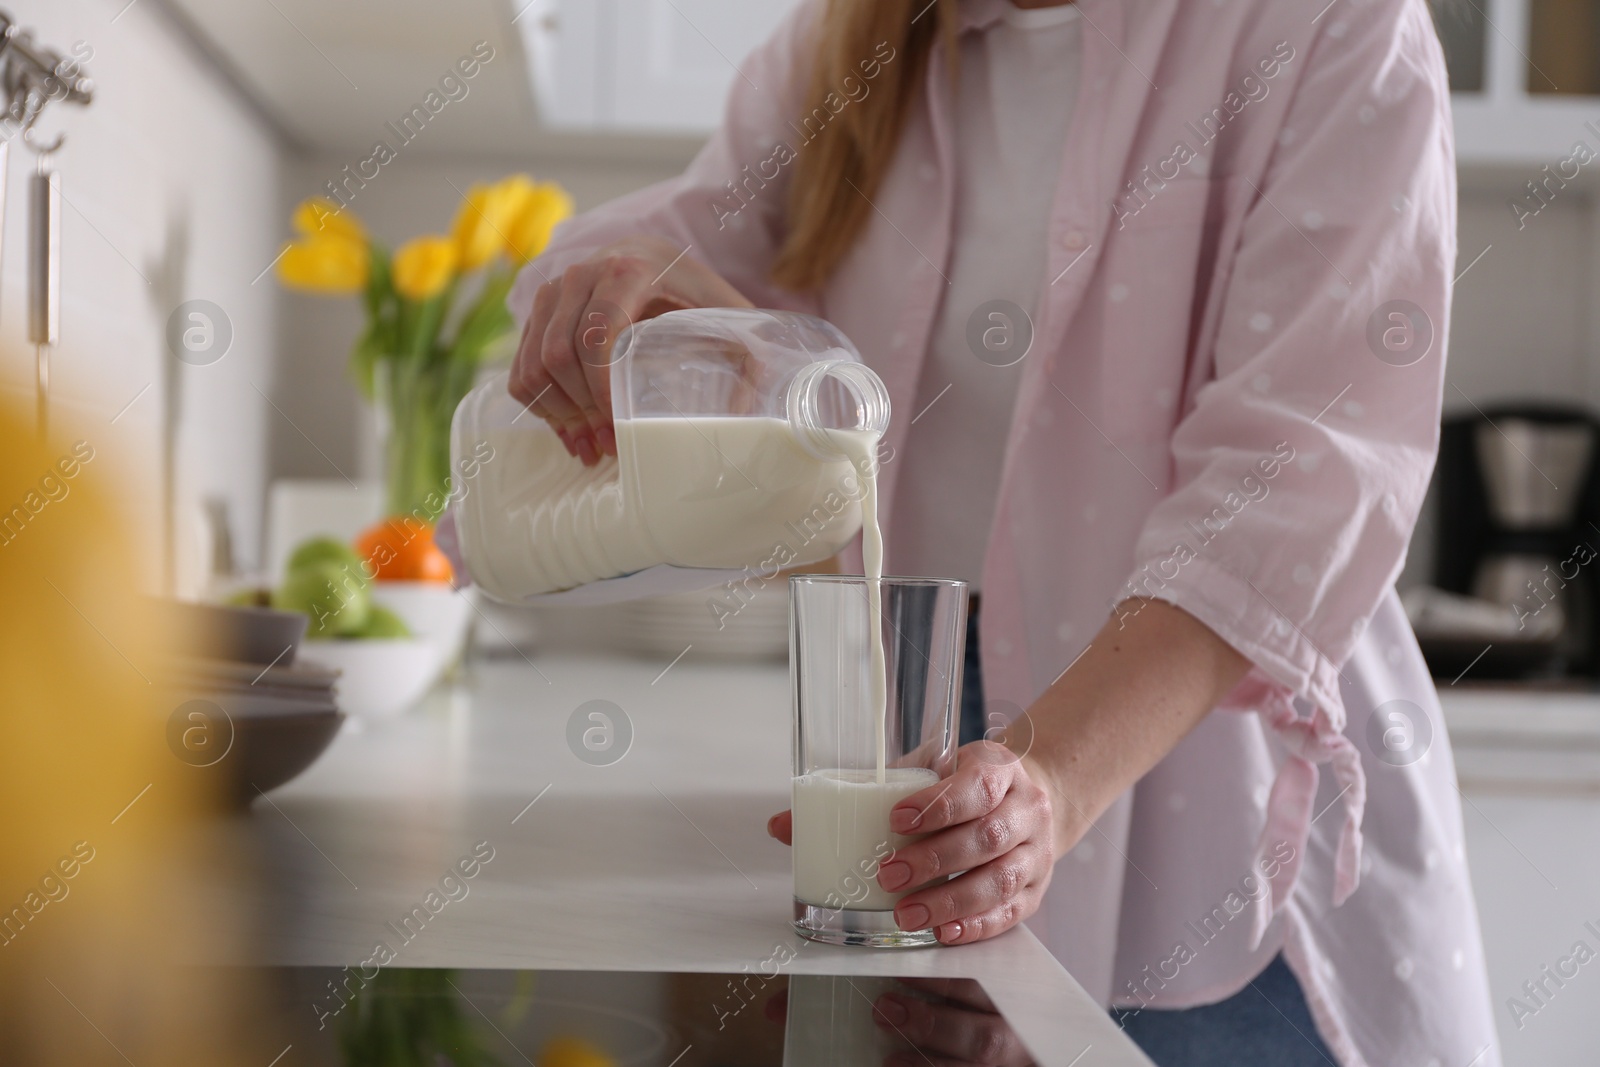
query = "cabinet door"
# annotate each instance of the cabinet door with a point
(649, 65)
(562, 39)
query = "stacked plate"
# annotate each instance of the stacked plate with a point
(714, 623)
(244, 713)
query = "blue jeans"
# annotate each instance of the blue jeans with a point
(1267, 1024)
(971, 722)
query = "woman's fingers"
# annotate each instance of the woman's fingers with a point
(531, 382)
(962, 1035)
(563, 365)
(625, 292)
(992, 923)
(559, 354)
(781, 826)
(989, 819)
(596, 304)
(1007, 887)
(1021, 817)
(983, 776)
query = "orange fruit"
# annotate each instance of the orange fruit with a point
(401, 549)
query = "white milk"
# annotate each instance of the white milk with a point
(863, 452)
(841, 834)
(841, 817)
(717, 492)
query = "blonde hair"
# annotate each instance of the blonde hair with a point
(838, 172)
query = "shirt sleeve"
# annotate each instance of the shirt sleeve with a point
(1302, 464)
(728, 208)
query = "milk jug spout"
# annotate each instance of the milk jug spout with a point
(834, 397)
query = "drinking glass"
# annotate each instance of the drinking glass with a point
(855, 759)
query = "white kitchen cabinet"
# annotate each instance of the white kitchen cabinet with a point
(661, 66)
(1500, 120)
(1529, 765)
(667, 66)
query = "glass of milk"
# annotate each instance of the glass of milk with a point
(875, 665)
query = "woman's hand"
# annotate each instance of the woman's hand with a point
(563, 368)
(993, 820)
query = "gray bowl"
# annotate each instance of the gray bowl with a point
(244, 635)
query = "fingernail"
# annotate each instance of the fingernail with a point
(949, 933)
(566, 440)
(893, 1012)
(912, 917)
(894, 875)
(608, 440)
(586, 451)
(905, 818)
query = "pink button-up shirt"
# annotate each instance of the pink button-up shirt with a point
(1232, 404)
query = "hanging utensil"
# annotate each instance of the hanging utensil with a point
(44, 278)
(33, 77)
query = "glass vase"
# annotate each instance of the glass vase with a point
(416, 401)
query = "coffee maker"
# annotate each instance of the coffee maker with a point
(1519, 526)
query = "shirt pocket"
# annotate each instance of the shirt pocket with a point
(1149, 294)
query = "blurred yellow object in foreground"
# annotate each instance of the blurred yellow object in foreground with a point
(98, 874)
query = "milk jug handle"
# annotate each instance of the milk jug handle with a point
(804, 404)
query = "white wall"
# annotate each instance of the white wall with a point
(1525, 323)
(1520, 326)
(172, 184)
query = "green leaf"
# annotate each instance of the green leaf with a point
(380, 284)
(375, 344)
(487, 322)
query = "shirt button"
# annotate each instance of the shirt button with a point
(1073, 241)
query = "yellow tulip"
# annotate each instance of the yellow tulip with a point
(321, 216)
(546, 205)
(483, 224)
(333, 266)
(423, 267)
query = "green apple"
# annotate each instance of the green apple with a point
(338, 601)
(320, 550)
(383, 623)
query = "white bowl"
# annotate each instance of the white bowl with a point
(378, 677)
(431, 610)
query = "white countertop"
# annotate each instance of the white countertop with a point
(1524, 739)
(659, 861)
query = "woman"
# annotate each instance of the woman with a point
(1184, 479)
